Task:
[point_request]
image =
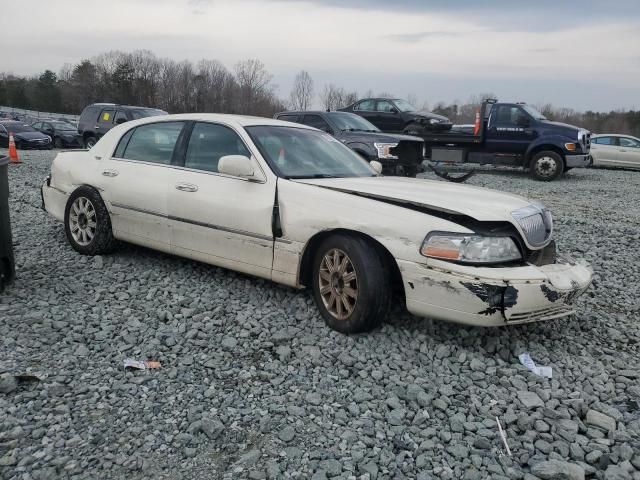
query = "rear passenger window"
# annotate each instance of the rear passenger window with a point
(122, 144)
(151, 143)
(209, 143)
(289, 118)
(603, 141)
(366, 105)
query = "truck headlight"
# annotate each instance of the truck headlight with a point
(469, 248)
(570, 146)
(384, 150)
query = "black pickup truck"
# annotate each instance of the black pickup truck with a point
(512, 134)
(398, 154)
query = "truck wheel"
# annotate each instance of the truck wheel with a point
(87, 223)
(413, 129)
(350, 284)
(546, 166)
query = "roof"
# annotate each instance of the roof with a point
(611, 135)
(236, 120)
(312, 112)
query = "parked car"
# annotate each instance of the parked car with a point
(296, 206)
(613, 150)
(398, 154)
(24, 135)
(64, 135)
(98, 118)
(396, 115)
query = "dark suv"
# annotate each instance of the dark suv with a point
(398, 154)
(98, 118)
(398, 115)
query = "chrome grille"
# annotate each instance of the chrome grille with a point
(536, 223)
(547, 313)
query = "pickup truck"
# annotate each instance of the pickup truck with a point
(400, 155)
(511, 134)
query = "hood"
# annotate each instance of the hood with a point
(479, 203)
(377, 137)
(429, 115)
(30, 136)
(563, 128)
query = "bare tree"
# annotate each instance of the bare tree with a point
(253, 80)
(302, 91)
(334, 97)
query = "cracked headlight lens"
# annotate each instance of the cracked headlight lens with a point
(384, 150)
(470, 248)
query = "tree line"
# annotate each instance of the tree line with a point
(142, 78)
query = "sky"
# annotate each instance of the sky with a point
(582, 55)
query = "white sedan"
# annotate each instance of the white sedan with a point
(613, 150)
(292, 204)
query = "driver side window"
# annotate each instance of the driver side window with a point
(628, 142)
(209, 143)
(510, 116)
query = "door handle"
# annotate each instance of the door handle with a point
(110, 173)
(186, 187)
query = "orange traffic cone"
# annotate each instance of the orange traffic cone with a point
(13, 152)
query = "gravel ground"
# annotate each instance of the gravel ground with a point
(254, 385)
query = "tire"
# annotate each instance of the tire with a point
(57, 142)
(546, 166)
(410, 172)
(414, 129)
(89, 142)
(84, 207)
(368, 281)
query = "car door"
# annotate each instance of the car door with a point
(216, 218)
(134, 183)
(367, 109)
(389, 117)
(628, 152)
(105, 122)
(510, 130)
(604, 151)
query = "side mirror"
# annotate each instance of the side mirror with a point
(236, 166)
(393, 110)
(523, 122)
(376, 165)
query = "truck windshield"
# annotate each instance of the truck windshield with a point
(300, 153)
(404, 106)
(533, 112)
(350, 122)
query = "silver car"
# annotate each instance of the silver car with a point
(614, 150)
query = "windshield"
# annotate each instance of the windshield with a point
(533, 112)
(19, 127)
(301, 153)
(351, 122)
(404, 106)
(146, 112)
(62, 126)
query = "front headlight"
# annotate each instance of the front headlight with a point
(384, 150)
(433, 121)
(470, 248)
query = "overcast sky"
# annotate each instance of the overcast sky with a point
(583, 55)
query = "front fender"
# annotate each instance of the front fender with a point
(552, 142)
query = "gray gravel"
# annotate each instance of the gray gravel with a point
(254, 385)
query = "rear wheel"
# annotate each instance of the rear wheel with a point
(546, 166)
(89, 142)
(350, 284)
(87, 223)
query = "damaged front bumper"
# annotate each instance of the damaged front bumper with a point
(490, 297)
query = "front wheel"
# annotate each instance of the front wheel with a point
(546, 166)
(87, 223)
(350, 284)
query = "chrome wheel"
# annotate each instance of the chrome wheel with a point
(546, 167)
(82, 221)
(338, 284)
